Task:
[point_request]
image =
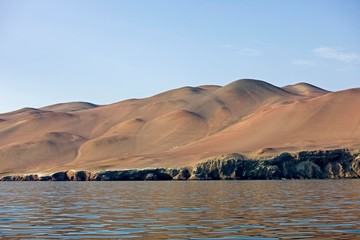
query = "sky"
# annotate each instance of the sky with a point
(107, 51)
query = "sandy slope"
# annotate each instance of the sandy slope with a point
(179, 127)
(69, 107)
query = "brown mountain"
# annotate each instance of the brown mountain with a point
(180, 127)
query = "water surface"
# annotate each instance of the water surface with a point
(181, 210)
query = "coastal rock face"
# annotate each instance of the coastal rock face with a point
(30, 177)
(233, 166)
(70, 175)
(133, 175)
(182, 174)
(59, 176)
(327, 164)
(78, 175)
(332, 164)
(44, 178)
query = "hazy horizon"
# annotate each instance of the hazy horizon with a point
(104, 52)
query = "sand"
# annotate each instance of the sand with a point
(180, 127)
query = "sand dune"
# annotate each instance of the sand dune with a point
(179, 127)
(69, 107)
(326, 122)
(305, 89)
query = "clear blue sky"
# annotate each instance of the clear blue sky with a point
(107, 51)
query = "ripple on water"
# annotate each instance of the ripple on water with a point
(181, 210)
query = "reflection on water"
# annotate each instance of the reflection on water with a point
(178, 210)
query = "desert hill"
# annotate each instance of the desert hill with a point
(179, 127)
(305, 89)
(69, 107)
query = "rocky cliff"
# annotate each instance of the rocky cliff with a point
(327, 164)
(338, 163)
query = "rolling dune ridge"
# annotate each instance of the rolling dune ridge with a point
(179, 127)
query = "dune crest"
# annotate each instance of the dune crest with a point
(305, 89)
(180, 127)
(69, 107)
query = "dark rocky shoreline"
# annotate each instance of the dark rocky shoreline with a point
(322, 164)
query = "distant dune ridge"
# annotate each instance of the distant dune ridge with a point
(180, 127)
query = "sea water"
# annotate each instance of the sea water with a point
(297, 209)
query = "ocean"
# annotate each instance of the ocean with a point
(292, 209)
